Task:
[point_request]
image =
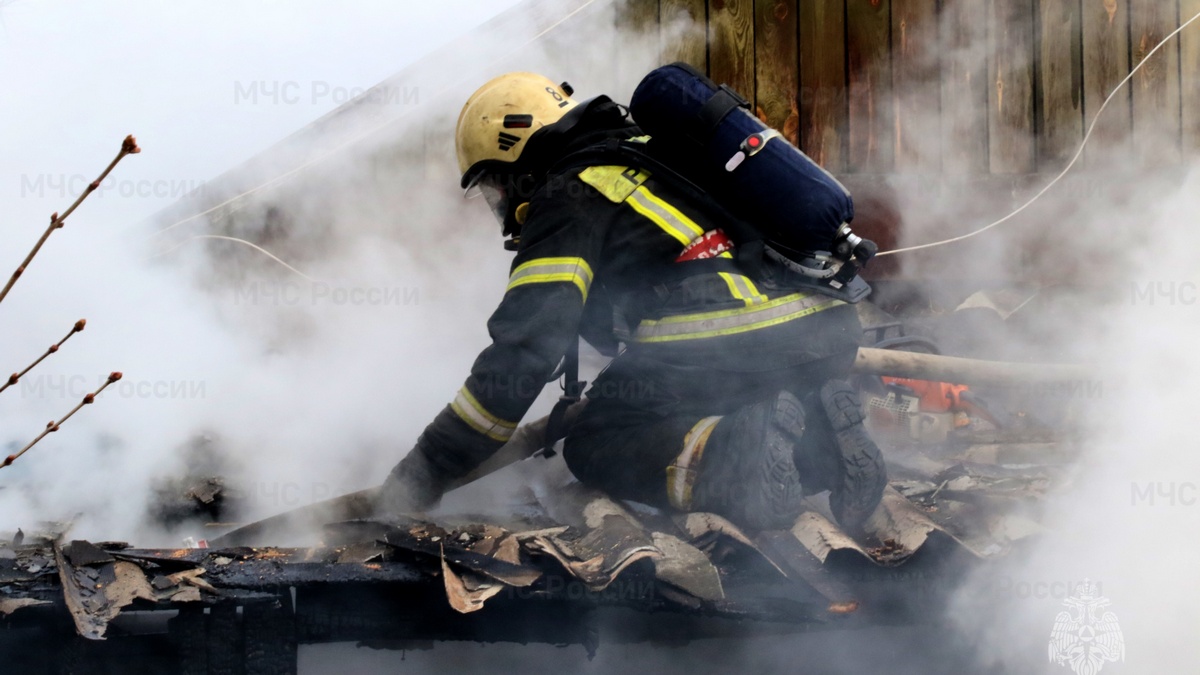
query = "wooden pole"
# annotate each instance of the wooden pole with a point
(963, 371)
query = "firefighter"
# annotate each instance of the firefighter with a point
(725, 394)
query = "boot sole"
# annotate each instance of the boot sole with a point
(864, 475)
(782, 493)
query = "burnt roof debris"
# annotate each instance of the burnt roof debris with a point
(547, 555)
(564, 565)
(598, 553)
(950, 508)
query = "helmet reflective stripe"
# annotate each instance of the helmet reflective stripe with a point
(499, 118)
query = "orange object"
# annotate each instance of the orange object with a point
(940, 397)
(935, 396)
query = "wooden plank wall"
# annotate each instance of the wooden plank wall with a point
(824, 108)
(1107, 59)
(947, 87)
(1189, 80)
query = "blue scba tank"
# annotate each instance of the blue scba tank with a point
(748, 167)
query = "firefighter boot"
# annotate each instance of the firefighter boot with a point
(747, 472)
(858, 485)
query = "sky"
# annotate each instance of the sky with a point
(195, 83)
(76, 77)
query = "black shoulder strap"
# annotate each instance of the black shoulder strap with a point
(716, 109)
(572, 394)
(634, 154)
(625, 153)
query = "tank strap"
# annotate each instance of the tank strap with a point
(633, 154)
(716, 109)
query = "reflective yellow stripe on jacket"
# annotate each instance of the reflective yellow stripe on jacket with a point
(614, 182)
(624, 185)
(478, 418)
(742, 288)
(670, 219)
(733, 321)
(553, 270)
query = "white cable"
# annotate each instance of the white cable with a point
(1074, 159)
(256, 247)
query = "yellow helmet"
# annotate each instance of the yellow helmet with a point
(499, 118)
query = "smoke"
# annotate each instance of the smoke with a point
(1122, 524)
(297, 388)
(1111, 249)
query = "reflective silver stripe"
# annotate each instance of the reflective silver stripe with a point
(743, 289)
(569, 269)
(667, 217)
(552, 270)
(734, 321)
(478, 418)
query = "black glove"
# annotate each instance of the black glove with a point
(414, 486)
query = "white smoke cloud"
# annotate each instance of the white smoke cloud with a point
(1123, 523)
(303, 389)
(1112, 245)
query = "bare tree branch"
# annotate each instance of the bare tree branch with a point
(53, 426)
(128, 147)
(15, 377)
